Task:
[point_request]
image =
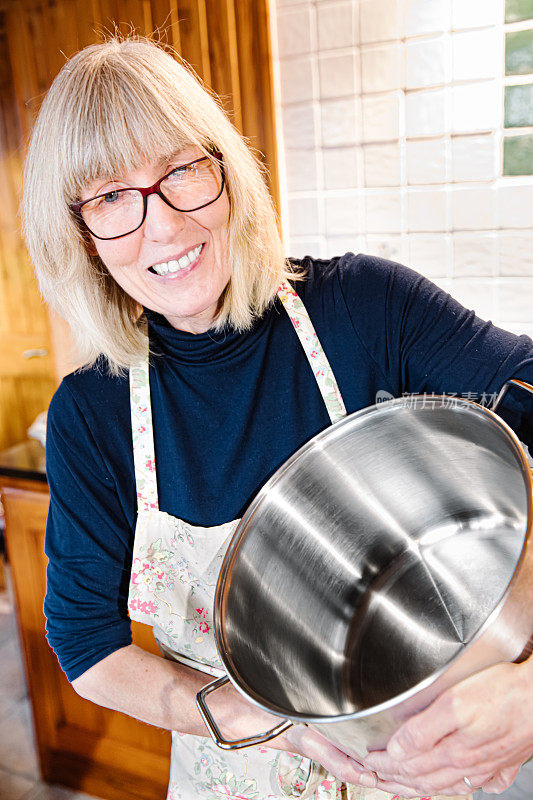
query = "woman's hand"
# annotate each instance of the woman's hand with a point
(481, 729)
(308, 742)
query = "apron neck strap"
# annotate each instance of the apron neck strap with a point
(313, 350)
(143, 437)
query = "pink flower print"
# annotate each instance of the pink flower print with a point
(327, 784)
(202, 612)
(147, 607)
(144, 606)
(295, 322)
(313, 354)
(204, 627)
(262, 749)
(150, 465)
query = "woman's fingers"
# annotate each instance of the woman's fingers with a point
(311, 744)
(423, 731)
(501, 781)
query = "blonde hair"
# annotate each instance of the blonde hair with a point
(110, 107)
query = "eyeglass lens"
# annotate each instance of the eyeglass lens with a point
(186, 188)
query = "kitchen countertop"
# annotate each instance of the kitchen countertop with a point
(24, 460)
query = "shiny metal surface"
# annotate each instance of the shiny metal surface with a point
(370, 572)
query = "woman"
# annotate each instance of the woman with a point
(141, 197)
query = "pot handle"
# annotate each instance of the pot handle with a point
(503, 391)
(214, 730)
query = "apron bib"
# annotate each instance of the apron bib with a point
(174, 572)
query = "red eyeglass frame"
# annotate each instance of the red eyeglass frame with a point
(146, 192)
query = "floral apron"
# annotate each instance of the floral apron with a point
(174, 573)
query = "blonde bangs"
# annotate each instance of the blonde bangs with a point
(148, 124)
(113, 107)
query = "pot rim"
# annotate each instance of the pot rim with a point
(396, 404)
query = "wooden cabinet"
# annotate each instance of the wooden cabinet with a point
(79, 744)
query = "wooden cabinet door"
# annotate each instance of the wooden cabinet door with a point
(79, 744)
(27, 369)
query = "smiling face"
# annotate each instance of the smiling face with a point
(176, 262)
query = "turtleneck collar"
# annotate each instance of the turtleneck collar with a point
(210, 346)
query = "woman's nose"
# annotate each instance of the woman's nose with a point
(162, 222)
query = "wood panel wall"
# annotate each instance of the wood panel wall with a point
(227, 42)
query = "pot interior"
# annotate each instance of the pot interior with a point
(372, 558)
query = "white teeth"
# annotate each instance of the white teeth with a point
(176, 265)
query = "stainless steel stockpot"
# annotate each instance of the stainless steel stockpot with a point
(386, 560)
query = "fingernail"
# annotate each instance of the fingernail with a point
(368, 779)
(395, 750)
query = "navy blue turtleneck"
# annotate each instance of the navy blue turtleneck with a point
(228, 409)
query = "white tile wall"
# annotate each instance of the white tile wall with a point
(386, 246)
(425, 63)
(515, 207)
(382, 164)
(341, 124)
(381, 117)
(338, 245)
(476, 13)
(426, 210)
(473, 208)
(475, 107)
(478, 295)
(296, 75)
(475, 255)
(391, 124)
(516, 255)
(425, 113)
(476, 54)
(380, 20)
(304, 216)
(381, 67)
(430, 255)
(337, 73)
(383, 212)
(295, 33)
(336, 24)
(474, 158)
(341, 214)
(299, 126)
(340, 168)
(426, 16)
(303, 246)
(426, 160)
(516, 299)
(301, 170)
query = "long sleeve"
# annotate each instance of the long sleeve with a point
(86, 543)
(425, 341)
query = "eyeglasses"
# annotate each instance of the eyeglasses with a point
(188, 187)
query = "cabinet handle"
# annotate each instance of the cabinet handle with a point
(36, 352)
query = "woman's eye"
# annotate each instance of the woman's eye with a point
(110, 197)
(179, 173)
